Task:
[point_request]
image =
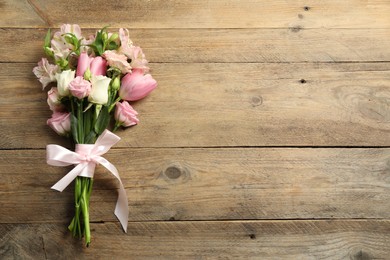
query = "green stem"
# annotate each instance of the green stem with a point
(113, 104)
(85, 211)
(80, 120)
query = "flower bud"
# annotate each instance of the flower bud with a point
(113, 37)
(87, 74)
(116, 84)
(104, 36)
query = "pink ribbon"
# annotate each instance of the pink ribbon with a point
(86, 157)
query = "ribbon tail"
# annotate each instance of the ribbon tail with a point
(122, 206)
(68, 178)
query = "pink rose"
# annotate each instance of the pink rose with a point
(60, 123)
(53, 100)
(98, 66)
(136, 85)
(116, 60)
(79, 87)
(45, 72)
(125, 114)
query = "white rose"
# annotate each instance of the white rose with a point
(63, 80)
(99, 91)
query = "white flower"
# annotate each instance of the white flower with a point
(99, 92)
(63, 80)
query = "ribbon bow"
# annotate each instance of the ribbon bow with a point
(86, 157)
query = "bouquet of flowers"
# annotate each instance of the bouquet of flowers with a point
(92, 79)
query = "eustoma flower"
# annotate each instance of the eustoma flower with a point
(99, 92)
(79, 87)
(63, 80)
(125, 115)
(53, 100)
(136, 85)
(60, 123)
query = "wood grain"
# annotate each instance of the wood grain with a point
(354, 239)
(239, 152)
(200, 14)
(228, 45)
(227, 105)
(207, 184)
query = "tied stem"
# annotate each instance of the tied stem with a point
(83, 190)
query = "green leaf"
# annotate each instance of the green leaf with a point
(112, 46)
(47, 39)
(73, 125)
(102, 120)
(48, 52)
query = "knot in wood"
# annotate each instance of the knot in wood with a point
(173, 172)
(176, 173)
(256, 101)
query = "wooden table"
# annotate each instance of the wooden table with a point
(268, 135)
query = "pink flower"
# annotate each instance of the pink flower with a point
(85, 42)
(59, 45)
(79, 87)
(83, 64)
(132, 52)
(136, 85)
(53, 100)
(98, 66)
(126, 43)
(60, 123)
(138, 60)
(125, 115)
(45, 72)
(117, 60)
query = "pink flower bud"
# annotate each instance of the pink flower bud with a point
(53, 100)
(79, 87)
(83, 64)
(136, 85)
(98, 66)
(125, 114)
(60, 123)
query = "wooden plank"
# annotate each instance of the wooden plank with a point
(200, 105)
(228, 45)
(207, 184)
(203, 13)
(19, 14)
(353, 239)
